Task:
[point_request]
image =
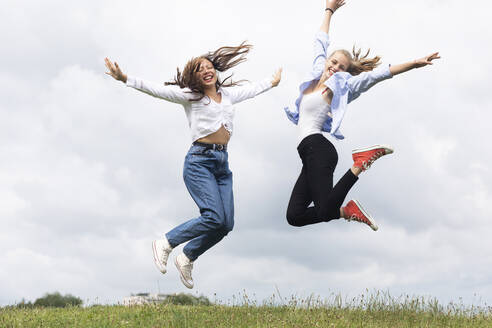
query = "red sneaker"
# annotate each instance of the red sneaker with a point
(355, 212)
(363, 158)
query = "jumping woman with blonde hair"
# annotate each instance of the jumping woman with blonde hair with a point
(208, 103)
(333, 82)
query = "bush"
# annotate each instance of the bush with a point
(57, 300)
(187, 299)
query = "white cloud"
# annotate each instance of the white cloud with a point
(91, 171)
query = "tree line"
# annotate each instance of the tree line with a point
(59, 301)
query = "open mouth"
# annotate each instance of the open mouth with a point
(208, 78)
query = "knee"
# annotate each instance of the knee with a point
(292, 219)
(215, 220)
(225, 229)
(228, 226)
(219, 221)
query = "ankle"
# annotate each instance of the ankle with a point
(356, 170)
(342, 213)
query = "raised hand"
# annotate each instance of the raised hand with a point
(331, 7)
(276, 77)
(334, 4)
(427, 60)
(114, 70)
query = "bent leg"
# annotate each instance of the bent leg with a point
(328, 199)
(202, 243)
(315, 183)
(203, 188)
(319, 159)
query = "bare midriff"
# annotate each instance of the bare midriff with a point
(221, 137)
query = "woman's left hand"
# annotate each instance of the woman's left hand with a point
(427, 60)
(276, 77)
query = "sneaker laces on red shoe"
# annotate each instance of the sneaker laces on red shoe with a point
(356, 213)
(364, 158)
(367, 164)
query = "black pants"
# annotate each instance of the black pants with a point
(315, 184)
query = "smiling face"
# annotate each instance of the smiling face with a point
(337, 62)
(206, 73)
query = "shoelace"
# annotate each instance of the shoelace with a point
(165, 251)
(186, 268)
(165, 255)
(373, 158)
(354, 217)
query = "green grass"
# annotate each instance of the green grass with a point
(378, 310)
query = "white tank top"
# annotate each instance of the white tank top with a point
(313, 112)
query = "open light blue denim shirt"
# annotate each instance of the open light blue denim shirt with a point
(344, 86)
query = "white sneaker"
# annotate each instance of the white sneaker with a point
(184, 266)
(161, 250)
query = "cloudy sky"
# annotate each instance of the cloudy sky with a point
(91, 171)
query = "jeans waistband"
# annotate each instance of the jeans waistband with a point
(218, 147)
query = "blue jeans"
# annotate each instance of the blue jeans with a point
(209, 181)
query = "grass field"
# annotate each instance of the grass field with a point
(370, 312)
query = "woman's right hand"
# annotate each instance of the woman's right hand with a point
(114, 70)
(334, 4)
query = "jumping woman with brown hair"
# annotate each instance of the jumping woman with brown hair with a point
(333, 82)
(208, 102)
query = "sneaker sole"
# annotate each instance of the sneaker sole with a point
(183, 280)
(387, 149)
(156, 261)
(373, 224)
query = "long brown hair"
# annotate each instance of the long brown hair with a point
(359, 63)
(222, 59)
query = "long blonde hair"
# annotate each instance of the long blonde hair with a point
(359, 63)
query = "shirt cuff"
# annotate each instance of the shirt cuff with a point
(266, 84)
(385, 71)
(323, 36)
(131, 81)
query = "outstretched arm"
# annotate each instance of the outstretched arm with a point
(250, 90)
(171, 93)
(366, 80)
(417, 63)
(331, 7)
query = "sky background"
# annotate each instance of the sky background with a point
(91, 171)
